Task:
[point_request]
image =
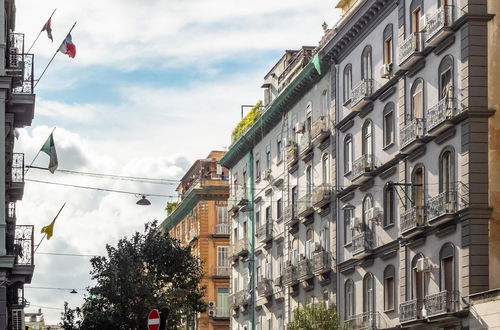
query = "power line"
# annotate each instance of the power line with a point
(46, 307)
(52, 288)
(68, 254)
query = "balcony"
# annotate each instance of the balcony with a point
(362, 244)
(441, 303)
(360, 94)
(20, 67)
(439, 116)
(412, 221)
(23, 245)
(221, 271)
(234, 301)
(292, 154)
(367, 321)
(411, 135)
(304, 271)
(410, 50)
(321, 262)
(320, 130)
(410, 311)
(242, 298)
(361, 169)
(221, 229)
(295, 65)
(304, 206)
(439, 25)
(265, 232)
(241, 248)
(306, 145)
(264, 287)
(290, 215)
(241, 197)
(221, 312)
(321, 195)
(15, 186)
(290, 275)
(442, 207)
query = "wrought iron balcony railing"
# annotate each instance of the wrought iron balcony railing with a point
(442, 204)
(362, 165)
(321, 194)
(444, 110)
(410, 310)
(222, 311)
(265, 231)
(441, 19)
(305, 144)
(412, 44)
(321, 262)
(412, 131)
(367, 320)
(264, 287)
(17, 167)
(222, 271)
(290, 275)
(442, 303)
(20, 65)
(241, 246)
(412, 218)
(290, 215)
(304, 205)
(292, 154)
(295, 65)
(362, 243)
(304, 269)
(221, 228)
(320, 129)
(23, 245)
(361, 91)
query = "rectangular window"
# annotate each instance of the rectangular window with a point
(279, 209)
(389, 294)
(388, 128)
(222, 256)
(257, 167)
(268, 214)
(294, 201)
(257, 217)
(348, 218)
(221, 214)
(388, 51)
(268, 157)
(222, 306)
(279, 148)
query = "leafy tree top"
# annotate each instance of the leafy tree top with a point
(247, 121)
(315, 317)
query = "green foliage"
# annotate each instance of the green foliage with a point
(171, 206)
(149, 271)
(314, 317)
(247, 121)
(71, 318)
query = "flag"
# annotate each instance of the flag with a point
(48, 27)
(50, 149)
(68, 47)
(49, 229)
(317, 63)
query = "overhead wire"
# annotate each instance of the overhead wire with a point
(67, 254)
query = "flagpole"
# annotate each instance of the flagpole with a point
(57, 51)
(38, 36)
(38, 153)
(45, 235)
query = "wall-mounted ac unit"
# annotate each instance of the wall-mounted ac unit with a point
(423, 265)
(299, 128)
(386, 71)
(211, 313)
(356, 223)
(211, 304)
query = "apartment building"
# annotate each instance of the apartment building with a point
(17, 110)
(410, 97)
(280, 200)
(201, 220)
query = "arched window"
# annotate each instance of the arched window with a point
(447, 267)
(388, 45)
(388, 124)
(324, 169)
(309, 246)
(447, 172)
(389, 205)
(417, 99)
(417, 283)
(389, 288)
(367, 139)
(325, 238)
(309, 180)
(348, 152)
(348, 219)
(294, 252)
(368, 294)
(366, 63)
(446, 90)
(418, 182)
(347, 82)
(416, 11)
(349, 300)
(367, 210)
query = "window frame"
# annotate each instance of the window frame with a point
(389, 216)
(348, 154)
(389, 273)
(389, 111)
(349, 299)
(347, 83)
(347, 224)
(367, 63)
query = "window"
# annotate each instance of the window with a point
(348, 219)
(447, 267)
(348, 154)
(294, 252)
(222, 307)
(257, 167)
(324, 102)
(388, 124)
(268, 157)
(293, 134)
(324, 169)
(326, 298)
(279, 258)
(268, 215)
(417, 99)
(222, 257)
(309, 183)
(446, 90)
(309, 244)
(221, 214)
(446, 173)
(257, 216)
(388, 45)
(279, 209)
(349, 300)
(294, 201)
(418, 196)
(417, 281)
(258, 267)
(367, 139)
(389, 288)
(279, 148)
(367, 210)
(325, 239)
(368, 294)
(389, 205)
(366, 64)
(347, 82)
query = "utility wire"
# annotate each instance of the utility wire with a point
(46, 307)
(52, 288)
(68, 254)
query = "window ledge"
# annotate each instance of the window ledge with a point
(279, 162)
(390, 310)
(346, 174)
(389, 226)
(389, 146)
(348, 245)
(346, 103)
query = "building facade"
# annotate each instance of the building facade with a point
(16, 110)
(201, 220)
(280, 201)
(411, 104)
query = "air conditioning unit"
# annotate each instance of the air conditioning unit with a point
(299, 128)
(423, 265)
(422, 22)
(267, 175)
(373, 214)
(386, 71)
(211, 313)
(211, 304)
(356, 223)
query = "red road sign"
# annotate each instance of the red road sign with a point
(154, 320)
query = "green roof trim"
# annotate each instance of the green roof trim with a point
(272, 116)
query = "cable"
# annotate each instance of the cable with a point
(67, 254)
(51, 288)
(46, 307)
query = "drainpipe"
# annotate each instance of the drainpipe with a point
(337, 204)
(251, 242)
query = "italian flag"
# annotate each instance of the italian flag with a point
(50, 149)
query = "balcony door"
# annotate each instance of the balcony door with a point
(418, 194)
(309, 244)
(418, 286)
(417, 100)
(447, 281)
(368, 300)
(367, 146)
(366, 64)
(309, 181)
(222, 302)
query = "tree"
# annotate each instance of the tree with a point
(314, 317)
(148, 271)
(71, 318)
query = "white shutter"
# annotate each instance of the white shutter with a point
(18, 319)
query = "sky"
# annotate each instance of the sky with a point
(155, 85)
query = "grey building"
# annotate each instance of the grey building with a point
(16, 110)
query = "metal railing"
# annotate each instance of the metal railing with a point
(413, 43)
(442, 18)
(463, 195)
(410, 310)
(23, 245)
(442, 204)
(265, 230)
(444, 110)
(412, 131)
(20, 65)
(11, 210)
(242, 297)
(241, 246)
(290, 275)
(264, 286)
(222, 271)
(362, 165)
(221, 311)
(304, 269)
(320, 128)
(412, 218)
(222, 228)
(321, 193)
(304, 204)
(292, 153)
(305, 143)
(442, 302)
(367, 320)
(363, 89)
(362, 242)
(298, 62)
(321, 261)
(17, 167)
